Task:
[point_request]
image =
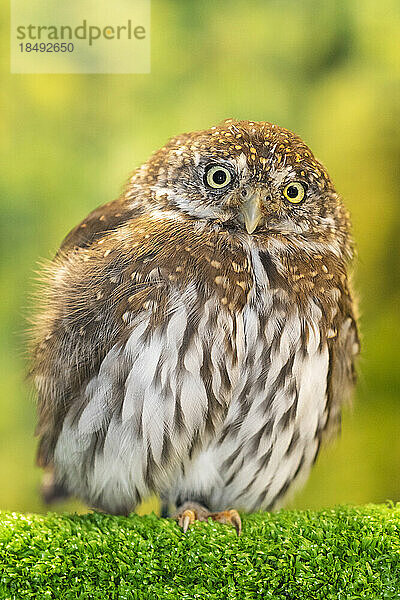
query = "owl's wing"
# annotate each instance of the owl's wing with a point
(343, 350)
(100, 221)
(130, 379)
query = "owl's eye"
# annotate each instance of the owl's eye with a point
(294, 192)
(217, 177)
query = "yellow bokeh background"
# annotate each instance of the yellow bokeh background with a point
(330, 71)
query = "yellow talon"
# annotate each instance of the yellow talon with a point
(187, 518)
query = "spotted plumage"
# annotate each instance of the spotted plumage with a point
(198, 334)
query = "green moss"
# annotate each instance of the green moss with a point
(345, 553)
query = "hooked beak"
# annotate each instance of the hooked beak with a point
(251, 211)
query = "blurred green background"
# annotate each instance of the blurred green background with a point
(330, 71)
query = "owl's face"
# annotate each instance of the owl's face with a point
(248, 177)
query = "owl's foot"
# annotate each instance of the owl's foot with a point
(190, 512)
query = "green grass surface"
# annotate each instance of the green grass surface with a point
(342, 553)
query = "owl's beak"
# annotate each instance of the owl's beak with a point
(251, 211)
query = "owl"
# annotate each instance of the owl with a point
(197, 337)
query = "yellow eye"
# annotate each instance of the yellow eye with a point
(294, 192)
(217, 177)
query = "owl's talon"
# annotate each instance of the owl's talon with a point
(189, 513)
(185, 525)
(229, 516)
(236, 521)
(188, 517)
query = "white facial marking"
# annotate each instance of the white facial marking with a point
(242, 166)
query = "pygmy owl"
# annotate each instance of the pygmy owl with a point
(198, 336)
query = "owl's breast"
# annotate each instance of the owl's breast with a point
(276, 340)
(276, 362)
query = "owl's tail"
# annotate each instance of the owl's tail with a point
(50, 490)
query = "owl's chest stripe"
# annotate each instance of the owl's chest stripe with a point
(275, 279)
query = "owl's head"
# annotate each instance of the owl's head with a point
(249, 177)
